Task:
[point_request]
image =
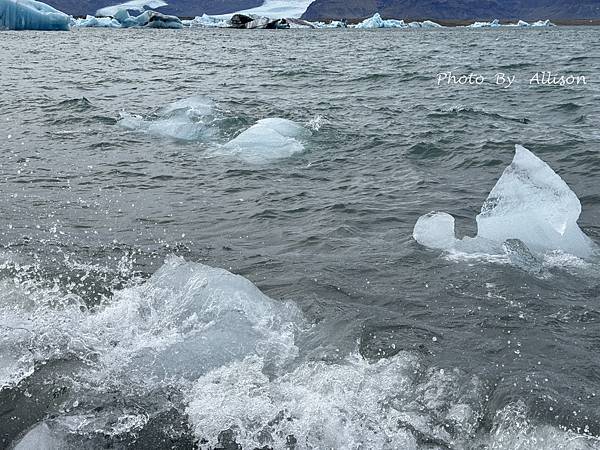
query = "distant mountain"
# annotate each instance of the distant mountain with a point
(182, 8)
(455, 9)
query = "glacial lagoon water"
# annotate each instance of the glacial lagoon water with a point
(127, 206)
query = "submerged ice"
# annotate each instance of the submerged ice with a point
(32, 15)
(187, 119)
(530, 204)
(198, 119)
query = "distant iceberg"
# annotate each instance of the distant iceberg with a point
(543, 23)
(122, 19)
(521, 23)
(529, 209)
(133, 5)
(32, 15)
(275, 9)
(493, 24)
(377, 22)
(206, 21)
(97, 22)
(268, 139)
(153, 19)
(332, 24)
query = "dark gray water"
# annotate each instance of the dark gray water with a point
(384, 344)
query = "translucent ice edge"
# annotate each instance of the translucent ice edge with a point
(530, 213)
(32, 15)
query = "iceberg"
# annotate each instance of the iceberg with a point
(153, 19)
(275, 9)
(543, 23)
(206, 21)
(332, 24)
(97, 22)
(430, 24)
(529, 203)
(268, 139)
(521, 23)
(494, 24)
(253, 21)
(133, 5)
(32, 15)
(377, 22)
(122, 19)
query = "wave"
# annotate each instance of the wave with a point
(199, 346)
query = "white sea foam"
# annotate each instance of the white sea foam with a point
(186, 320)
(229, 357)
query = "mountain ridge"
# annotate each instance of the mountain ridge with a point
(182, 8)
(454, 10)
(359, 9)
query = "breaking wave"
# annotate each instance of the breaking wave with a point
(199, 346)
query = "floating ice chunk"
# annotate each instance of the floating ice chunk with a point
(430, 24)
(153, 19)
(530, 202)
(521, 23)
(185, 119)
(377, 22)
(133, 5)
(149, 19)
(435, 230)
(332, 24)
(32, 15)
(122, 19)
(543, 23)
(494, 24)
(184, 321)
(206, 21)
(268, 139)
(97, 22)
(40, 437)
(194, 318)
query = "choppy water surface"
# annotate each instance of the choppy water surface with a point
(116, 330)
